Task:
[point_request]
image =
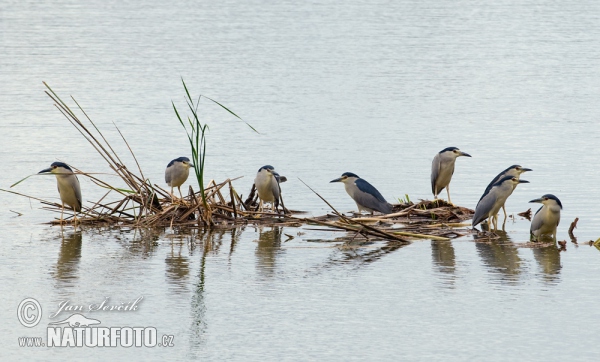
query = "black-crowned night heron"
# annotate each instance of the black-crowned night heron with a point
(442, 169)
(491, 201)
(546, 219)
(68, 187)
(366, 196)
(177, 172)
(514, 171)
(267, 186)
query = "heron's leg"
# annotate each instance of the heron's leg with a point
(74, 217)
(505, 216)
(172, 195)
(503, 225)
(554, 234)
(182, 199)
(62, 211)
(448, 191)
(495, 224)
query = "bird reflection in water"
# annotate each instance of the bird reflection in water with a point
(177, 268)
(548, 259)
(68, 257)
(501, 257)
(442, 254)
(358, 255)
(268, 249)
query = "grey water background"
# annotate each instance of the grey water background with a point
(376, 88)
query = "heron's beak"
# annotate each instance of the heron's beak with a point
(525, 170)
(537, 200)
(464, 154)
(49, 169)
(191, 165)
(339, 179)
(523, 182)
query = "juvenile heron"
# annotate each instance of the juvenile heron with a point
(366, 196)
(491, 201)
(267, 186)
(442, 169)
(68, 187)
(546, 219)
(515, 171)
(177, 172)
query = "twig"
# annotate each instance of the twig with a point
(573, 226)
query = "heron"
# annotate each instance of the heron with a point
(442, 169)
(366, 196)
(267, 186)
(177, 172)
(492, 200)
(68, 187)
(514, 170)
(546, 219)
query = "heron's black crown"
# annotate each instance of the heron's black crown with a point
(266, 167)
(550, 196)
(350, 174)
(179, 159)
(448, 149)
(61, 164)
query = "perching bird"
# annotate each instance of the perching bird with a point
(366, 196)
(177, 172)
(547, 218)
(68, 187)
(267, 186)
(442, 169)
(491, 201)
(515, 171)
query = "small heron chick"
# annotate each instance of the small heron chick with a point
(547, 218)
(491, 201)
(515, 171)
(177, 172)
(366, 196)
(442, 169)
(68, 187)
(267, 186)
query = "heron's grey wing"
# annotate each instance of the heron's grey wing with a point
(483, 208)
(489, 187)
(169, 175)
(276, 189)
(370, 197)
(537, 221)
(77, 189)
(275, 186)
(435, 171)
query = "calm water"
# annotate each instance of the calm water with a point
(376, 88)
